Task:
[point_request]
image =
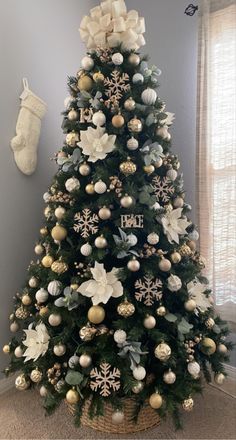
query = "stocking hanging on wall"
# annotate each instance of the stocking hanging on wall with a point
(28, 127)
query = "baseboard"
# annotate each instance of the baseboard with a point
(231, 371)
(6, 384)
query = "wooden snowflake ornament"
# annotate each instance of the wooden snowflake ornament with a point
(163, 189)
(148, 290)
(116, 86)
(86, 223)
(105, 378)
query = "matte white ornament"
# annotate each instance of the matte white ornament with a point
(118, 417)
(100, 187)
(59, 212)
(87, 63)
(100, 242)
(169, 377)
(99, 119)
(133, 265)
(38, 249)
(132, 239)
(73, 361)
(28, 127)
(134, 59)
(104, 213)
(117, 59)
(149, 96)
(153, 238)
(194, 235)
(120, 336)
(138, 78)
(126, 201)
(149, 322)
(165, 265)
(86, 250)
(54, 319)
(18, 352)
(85, 360)
(46, 197)
(33, 282)
(84, 169)
(41, 296)
(178, 202)
(174, 283)
(132, 144)
(172, 175)
(194, 369)
(54, 288)
(43, 391)
(72, 184)
(139, 373)
(59, 350)
(219, 378)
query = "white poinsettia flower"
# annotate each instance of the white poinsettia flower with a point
(103, 286)
(196, 292)
(96, 144)
(174, 225)
(36, 342)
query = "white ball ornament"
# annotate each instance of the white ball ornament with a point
(14, 327)
(132, 144)
(118, 417)
(33, 282)
(59, 212)
(153, 238)
(149, 96)
(174, 283)
(221, 348)
(100, 242)
(149, 322)
(72, 184)
(117, 59)
(134, 59)
(104, 213)
(43, 391)
(178, 202)
(190, 305)
(132, 239)
(84, 169)
(126, 201)
(86, 250)
(99, 119)
(73, 115)
(139, 373)
(100, 187)
(54, 288)
(18, 352)
(87, 63)
(194, 235)
(138, 78)
(85, 360)
(219, 378)
(54, 319)
(38, 249)
(172, 175)
(41, 296)
(164, 265)
(120, 336)
(194, 369)
(73, 361)
(169, 377)
(59, 350)
(133, 265)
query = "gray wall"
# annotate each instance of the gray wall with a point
(39, 39)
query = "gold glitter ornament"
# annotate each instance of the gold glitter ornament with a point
(47, 261)
(96, 314)
(126, 309)
(169, 377)
(129, 104)
(59, 233)
(149, 169)
(26, 300)
(59, 267)
(22, 383)
(185, 251)
(98, 77)
(87, 333)
(162, 352)
(175, 257)
(188, 404)
(161, 311)
(89, 189)
(21, 313)
(128, 167)
(135, 125)
(6, 349)
(85, 83)
(43, 232)
(208, 346)
(36, 375)
(210, 323)
(219, 378)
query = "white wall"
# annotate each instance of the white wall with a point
(39, 39)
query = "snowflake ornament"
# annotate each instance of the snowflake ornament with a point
(163, 189)
(116, 86)
(85, 223)
(105, 379)
(148, 290)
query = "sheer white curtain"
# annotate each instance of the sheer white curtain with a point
(216, 174)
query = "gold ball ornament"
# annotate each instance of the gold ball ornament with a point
(208, 346)
(188, 404)
(155, 401)
(125, 309)
(159, 163)
(104, 213)
(85, 360)
(18, 352)
(6, 349)
(21, 313)
(210, 323)
(126, 201)
(149, 322)
(176, 257)
(84, 169)
(59, 212)
(73, 115)
(33, 282)
(47, 261)
(185, 251)
(43, 232)
(26, 300)
(36, 375)
(118, 121)
(72, 397)
(134, 59)
(190, 305)
(96, 314)
(55, 319)
(135, 125)
(219, 378)
(162, 352)
(87, 333)
(161, 311)
(149, 169)
(128, 167)
(169, 377)
(22, 383)
(14, 327)
(59, 233)
(59, 267)
(85, 83)
(44, 311)
(129, 104)
(74, 286)
(192, 245)
(164, 265)
(118, 417)
(221, 348)
(100, 242)
(98, 77)
(138, 387)
(133, 265)
(89, 189)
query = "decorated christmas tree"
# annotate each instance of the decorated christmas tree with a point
(115, 308)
